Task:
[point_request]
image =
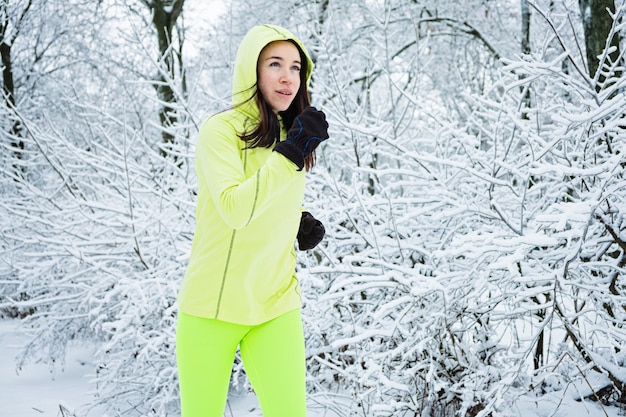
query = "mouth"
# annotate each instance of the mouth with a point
(286, 93)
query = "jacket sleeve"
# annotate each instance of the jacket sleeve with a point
(238, 199)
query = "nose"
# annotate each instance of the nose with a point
(286, 77)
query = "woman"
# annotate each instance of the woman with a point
(240, 288)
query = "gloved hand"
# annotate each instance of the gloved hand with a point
(308, 130)
(311, 231)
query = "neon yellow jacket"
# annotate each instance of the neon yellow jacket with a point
(242, 262)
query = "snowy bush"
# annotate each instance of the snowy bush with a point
(470, 264)
(98, 254)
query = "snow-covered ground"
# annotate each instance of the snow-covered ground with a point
(35, 392)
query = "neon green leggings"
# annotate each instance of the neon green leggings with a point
(272, 354)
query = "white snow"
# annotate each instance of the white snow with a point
(36, 392)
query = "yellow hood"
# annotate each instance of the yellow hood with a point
(245, 75)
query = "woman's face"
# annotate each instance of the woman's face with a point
(279, 74)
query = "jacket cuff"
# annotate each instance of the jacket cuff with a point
(291, 152)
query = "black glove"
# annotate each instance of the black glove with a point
(311, 231)
(308, 130)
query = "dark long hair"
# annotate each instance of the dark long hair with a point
(267, 132)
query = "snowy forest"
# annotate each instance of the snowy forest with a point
(473, 192)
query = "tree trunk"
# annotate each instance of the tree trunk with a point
(164, 16)
(8, 86)
(525, 27)
(525, 46)
(597, 23)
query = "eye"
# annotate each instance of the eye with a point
(296, 68)
(275, 64)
